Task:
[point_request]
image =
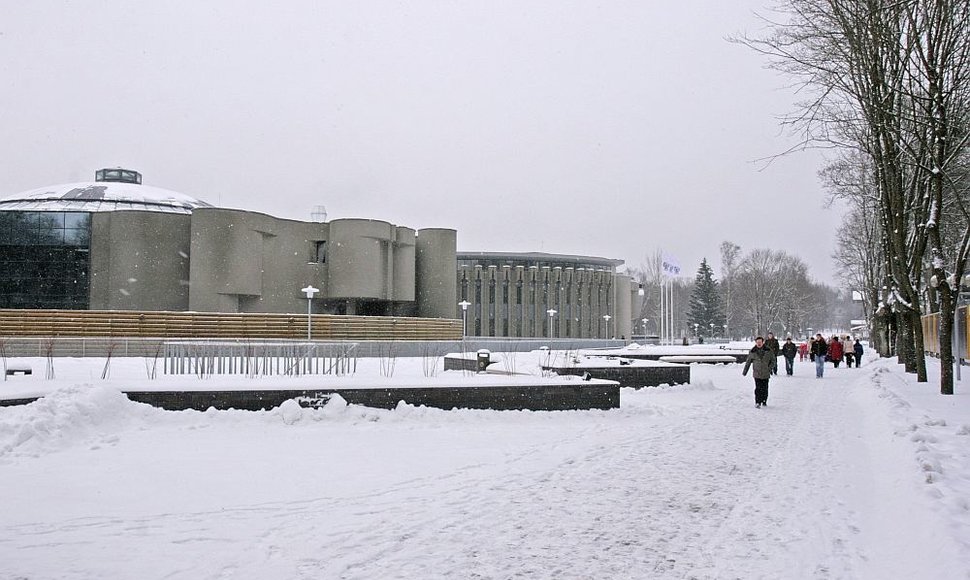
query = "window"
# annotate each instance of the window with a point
(44, 259)
(320, 252)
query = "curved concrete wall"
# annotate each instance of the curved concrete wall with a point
(402, 289)
(139, 261)
(436, 263)
(251, 262)
(359, 257)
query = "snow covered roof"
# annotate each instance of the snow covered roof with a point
(98, 196)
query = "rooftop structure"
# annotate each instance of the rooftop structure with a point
(112, 190)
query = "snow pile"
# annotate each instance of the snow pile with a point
(73, 416)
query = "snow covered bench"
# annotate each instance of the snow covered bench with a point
(18, 368)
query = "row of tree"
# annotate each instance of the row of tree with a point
(758, 291)
(887, 87)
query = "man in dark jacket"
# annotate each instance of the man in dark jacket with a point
(857, 350)
(817, 353)
(771, 343)
(765, 363)
(789, 350)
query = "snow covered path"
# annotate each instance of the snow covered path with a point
(828, 481)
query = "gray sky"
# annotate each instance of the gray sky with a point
(601, 128)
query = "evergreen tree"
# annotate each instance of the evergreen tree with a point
(705, 304)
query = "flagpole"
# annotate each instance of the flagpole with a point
(663, 312)
(670, 312)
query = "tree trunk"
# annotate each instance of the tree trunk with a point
(879, 333)
(946, 340)
(919, 350)
(904, 342)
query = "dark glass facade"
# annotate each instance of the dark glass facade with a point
(45, 259)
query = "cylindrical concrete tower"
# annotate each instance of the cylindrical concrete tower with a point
(359, 256)
(436, 264)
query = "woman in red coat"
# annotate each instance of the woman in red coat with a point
(835, 351)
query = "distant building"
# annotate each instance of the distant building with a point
(115, 244)
(544, 295)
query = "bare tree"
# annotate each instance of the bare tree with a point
(859, 252)
(852, 59)
(730, 253)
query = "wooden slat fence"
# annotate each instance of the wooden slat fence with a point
(147, 324)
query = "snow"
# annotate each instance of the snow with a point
(102, 196)
(863, 474)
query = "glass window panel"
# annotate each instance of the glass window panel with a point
(77, 220)
(77, 237)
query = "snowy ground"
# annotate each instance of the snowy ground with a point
(862, 474)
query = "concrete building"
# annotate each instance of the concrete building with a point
(115, 244)
(544, 295)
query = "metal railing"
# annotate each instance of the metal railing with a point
(254, 359)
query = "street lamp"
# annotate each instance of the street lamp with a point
(645, 320)
(607, 317)
(309, 291)
(712, 330)
(696, 326)
(464, 317)
(551, 312)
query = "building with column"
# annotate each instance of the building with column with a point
(116, 244)
(544, 295)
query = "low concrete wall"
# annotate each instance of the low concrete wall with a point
(740, 357)
(631, 376)
(545, 397)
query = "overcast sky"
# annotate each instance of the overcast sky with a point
(609, 129)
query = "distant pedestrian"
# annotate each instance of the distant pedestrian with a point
(857, 350)
(788, 351)
(818, 353)
(764, 363)
(849, 353)
(771, 343)
(836, 351)
(803, 350)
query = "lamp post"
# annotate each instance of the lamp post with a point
(696, 326)
(725, 332)
(551, 312)
(712, 331)
(645, 320)
(309, 291)
(464, 317)
(606, 317)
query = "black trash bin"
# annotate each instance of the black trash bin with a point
(484, 359)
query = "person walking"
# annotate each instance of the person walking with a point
(857, 350)
(788, 351)
(765, 364)
(849, 353)
(835, 351)
(803, 350)
(817, 353)
(771, 343)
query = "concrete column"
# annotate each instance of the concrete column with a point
(436, 287)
